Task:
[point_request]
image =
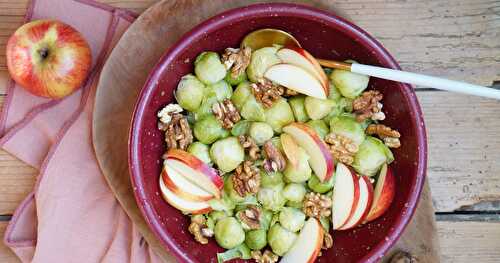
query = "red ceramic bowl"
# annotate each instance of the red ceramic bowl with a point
(325, 35)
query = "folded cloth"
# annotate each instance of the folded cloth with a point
(71, 215)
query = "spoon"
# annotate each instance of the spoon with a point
(268, 36)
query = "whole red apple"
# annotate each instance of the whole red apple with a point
(48, 58)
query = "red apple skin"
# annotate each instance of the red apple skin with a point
(319, 69)
(173, 187)
(355, 178)
(386, 196)
(206, 209)
(63, 70)
(369, 202)
(196, 164)
(330, 164)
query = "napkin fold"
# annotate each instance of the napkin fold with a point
(71, 215)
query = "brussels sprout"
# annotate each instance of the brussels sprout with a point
(320, 187)
(276, 141)
(334, 93)
(253, 110)
(225, 203)
(271, 179)
(208, 67)
(301, 172)
(298, 109)
(320, 127)
(256, 239)
(218, 215)
(349, 84)
(348, 126)
(241, 94)
(260, 132)
(293, 204)
(235, 80)
(205, 108)
(227, 153)
(318, 108)
(265, 219)
(294, 192)
(229, 233)
(260, 61)
(292, 219)
(221, 89)
(271, 198)
(325, 223)
(210, 223)
(371, 155)
(280, 239)
(189, 92)
(275, 219)
(279, 115)
(242, 251)
(200, 150)
(208, 130)
(346, 104)
(241, 128)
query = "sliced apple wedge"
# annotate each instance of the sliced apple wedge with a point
(290, 148)
(364, 203)
(182, 187)
(300, 57)
(383, 193)
(345, 196)
(320, 158)
(196, 171)
(306, 247)
(185, 206)
(297, 79)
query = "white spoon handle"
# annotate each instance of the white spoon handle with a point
(427, 81)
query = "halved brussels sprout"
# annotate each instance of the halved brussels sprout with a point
(293, 204)
(271, 198)
(256, 239)
(200, 150)
(292, 219)
(205, 108)
(320, 127)
(242, 251)
(208, 67)
(253, 110)
(279, 115)
(260, 61)
(229, 233)
(221, 89)
(241, 128)
(241, 94)
(298, 108)
(372, 154)
(218, 215)
(320, 187)
(225, 203)
(271, 179)
(318, 108)
(208, 130)
(227, 153)
(189, 92)
(334, 93)
(301, 172)
(349, 84)
(266, 217)
(294, 192)
(348, 126)
(260, 132)
(280, 239)
(235, 80)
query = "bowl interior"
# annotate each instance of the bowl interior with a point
(325, 36)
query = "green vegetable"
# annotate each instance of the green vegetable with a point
(271, 198)
(200, 150)
(325, 223)
(208, 130)
(253, 110)
(334, 93)
(241, 251)
(221, 89)
(256, 239)
(229, 233)
(260, 61)
(205, 108)
(348, 126)
(241, 128)
(292, 219)
(208, 68)
(225, 204)
(298, 108)
(241, 94)
(294, 192)
(271, 179)
(266, 217)
(235, 80)
(320, 127)
(346, 104)
(277, 143)
(190, 92)
(320, 187)
(279, 115)
(218, 215)
(349, 84)
(260, 132)
(301, 172)
(280, 239)
(372, 154)
(318, 108)
(293, 204)
(227, 153)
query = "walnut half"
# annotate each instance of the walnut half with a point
(267, 257)
(198, 228)
(317, 205)
(246, 179)
(387, 134)
(368, 106)
(226, 113)
(178, 134)
(342, 148)
(250, 216)
(275, 161)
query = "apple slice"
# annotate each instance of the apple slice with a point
(186, 206)
(290, 148)
(364, 203)
(300, 57)
(182, 187)
(196, 171)
(345, 196)
(383, 194)
(296, 78)
(320, 158)
(306, 247)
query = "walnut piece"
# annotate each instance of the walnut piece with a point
(250, 216)
(403, 257)
(368, 106)
(327, 241)
(226, 113)
(267, 257)
(166, 113)
(275, 161)
(342, 148)
(198, 228)
(250, 146)
(246, 179)
(267, 92)
(387, 134)
(236, 60)
(317, 205)
(178, 134)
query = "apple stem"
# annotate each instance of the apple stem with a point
(43, 52)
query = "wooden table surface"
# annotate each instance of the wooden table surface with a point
(458, 39)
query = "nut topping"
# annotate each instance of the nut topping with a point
(327, 241)
(199, 229)
(250, 216)
(266, 92)
(368, 106)
(236, 60)
(246, 179)
(342, 148)
(267, 257)
(178, 134)
(317, 205)
(226, 113)
(388, 135)
(249, 145)
(275, 161)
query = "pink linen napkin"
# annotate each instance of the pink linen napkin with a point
(71, 215)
